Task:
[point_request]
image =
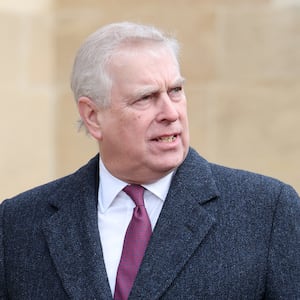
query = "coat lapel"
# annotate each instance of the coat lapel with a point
(73, 237)
(181, 228)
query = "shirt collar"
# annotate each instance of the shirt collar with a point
(110, 187)
(160, 187)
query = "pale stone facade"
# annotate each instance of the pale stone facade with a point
(241, 59)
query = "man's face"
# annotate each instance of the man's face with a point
(144, 132)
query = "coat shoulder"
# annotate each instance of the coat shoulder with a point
(233, 183)
(245, 183)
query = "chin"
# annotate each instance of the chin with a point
(168, 166)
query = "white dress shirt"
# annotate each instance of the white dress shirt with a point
(115, 210)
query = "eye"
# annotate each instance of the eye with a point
(147, 97)
(144, 101)
(175, 92)
(177, 89)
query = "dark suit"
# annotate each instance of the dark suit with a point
(222, 234)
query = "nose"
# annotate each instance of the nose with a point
(167, 110)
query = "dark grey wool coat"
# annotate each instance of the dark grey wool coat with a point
(222, 234)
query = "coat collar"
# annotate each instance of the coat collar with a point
(183, 224)
(73, 237)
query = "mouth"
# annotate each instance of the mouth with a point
(166, 139)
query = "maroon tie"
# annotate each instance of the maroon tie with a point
(136, 239)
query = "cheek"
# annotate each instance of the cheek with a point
(132, 124)
(136, 120)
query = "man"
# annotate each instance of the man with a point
(209, 232)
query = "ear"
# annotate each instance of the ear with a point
(89, 112)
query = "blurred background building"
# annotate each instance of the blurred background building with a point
(241, 59)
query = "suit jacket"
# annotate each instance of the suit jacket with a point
(222, 234)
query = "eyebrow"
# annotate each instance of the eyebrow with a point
(179, 81)
(148, 90)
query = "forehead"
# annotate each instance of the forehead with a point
(144, 62)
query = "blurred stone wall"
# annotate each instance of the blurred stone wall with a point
(241, 59)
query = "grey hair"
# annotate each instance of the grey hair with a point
(90, 77)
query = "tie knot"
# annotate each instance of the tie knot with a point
(136, 193)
